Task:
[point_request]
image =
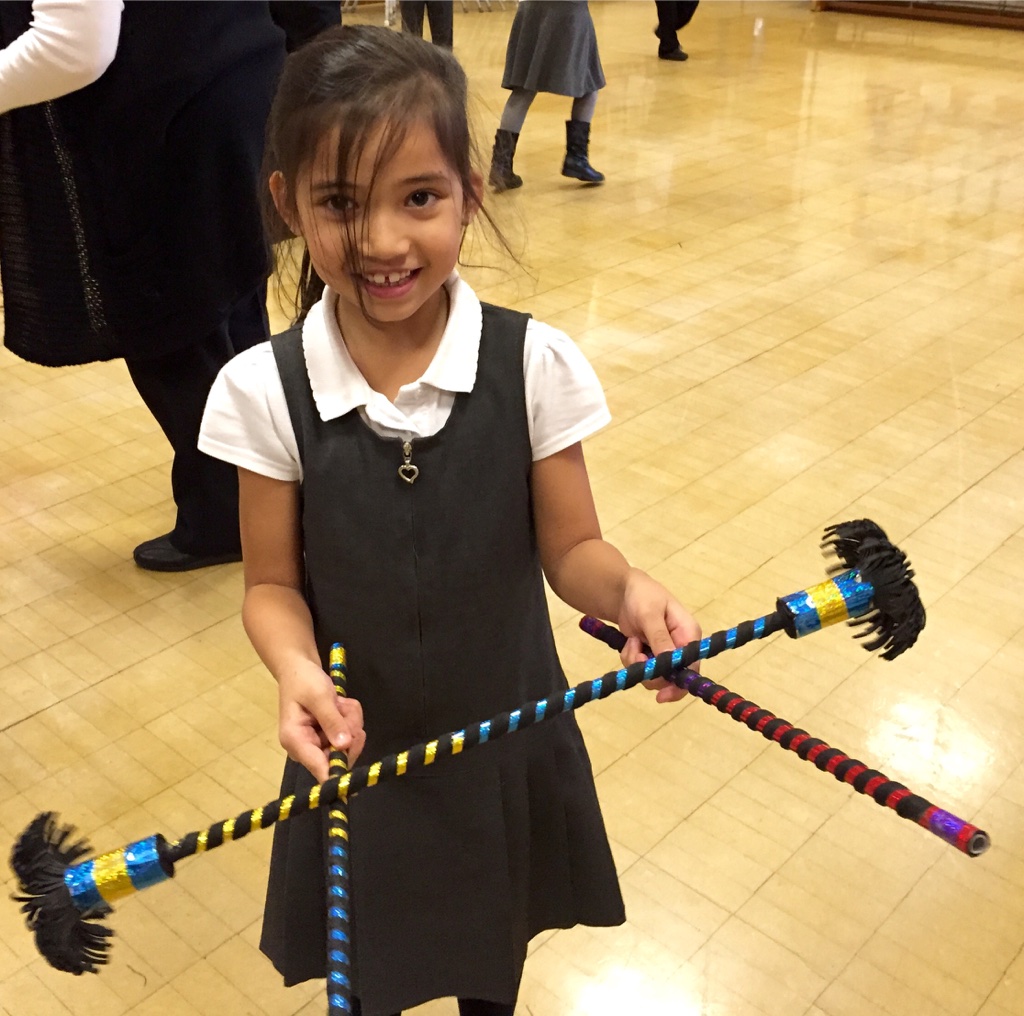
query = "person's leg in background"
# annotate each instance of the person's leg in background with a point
(440, 15)
(412, 16)
(502, 177)
(577, 141)
(481, 1007)
(205, 490)
(673, 17)
(685, 9)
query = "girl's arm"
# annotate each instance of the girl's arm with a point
(591, 575)
(312, 718)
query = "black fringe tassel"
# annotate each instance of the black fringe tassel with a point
(68, 939)
(898, 616)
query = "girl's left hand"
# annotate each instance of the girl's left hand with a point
(651, 614)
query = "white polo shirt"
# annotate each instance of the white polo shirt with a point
(247, 424)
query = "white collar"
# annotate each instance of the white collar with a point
(338, 386)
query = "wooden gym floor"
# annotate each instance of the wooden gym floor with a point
(802, 289)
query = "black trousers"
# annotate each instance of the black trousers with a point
(673, 16)
(174, 388)
(302, 21)
(439, 14)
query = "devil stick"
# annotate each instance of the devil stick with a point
(339, 985)
(872, 587)
(63, 900)
(962, 835)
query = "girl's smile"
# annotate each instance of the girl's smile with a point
(386, 238)
(389, 285)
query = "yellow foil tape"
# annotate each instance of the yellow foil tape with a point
(828, 602)
(110, 873)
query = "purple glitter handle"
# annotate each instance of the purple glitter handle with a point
(604, 632)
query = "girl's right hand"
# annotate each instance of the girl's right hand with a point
(651, 616)
(313, 719)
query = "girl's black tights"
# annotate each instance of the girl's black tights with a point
(467, 1007)
(481, 1007)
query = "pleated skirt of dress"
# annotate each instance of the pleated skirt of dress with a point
(455, 867)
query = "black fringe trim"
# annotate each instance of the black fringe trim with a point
(898, 616)
(68, 939)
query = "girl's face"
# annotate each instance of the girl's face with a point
(407, 232)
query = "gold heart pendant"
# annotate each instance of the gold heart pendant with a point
(408, 472)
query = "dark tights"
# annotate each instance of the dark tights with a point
(467, 1007)
(480, 1007)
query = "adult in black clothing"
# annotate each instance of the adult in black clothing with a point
(302, 21)
(130, 226)
(673, 17)
(439, 14)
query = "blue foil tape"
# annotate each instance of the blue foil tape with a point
(143, 861)
(839, 599)
(93, 885)
(81, 883)
(857, 594)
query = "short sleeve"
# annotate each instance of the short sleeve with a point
(564, 399)
(246, 421)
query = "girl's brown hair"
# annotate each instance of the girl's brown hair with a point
(356, 79)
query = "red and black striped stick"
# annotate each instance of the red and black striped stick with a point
(962, 835)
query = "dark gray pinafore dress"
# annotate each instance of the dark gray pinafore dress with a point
(435, 589)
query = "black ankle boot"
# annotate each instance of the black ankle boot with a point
(577, 146)
(501, 177)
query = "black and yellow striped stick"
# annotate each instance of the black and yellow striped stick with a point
(64, 902)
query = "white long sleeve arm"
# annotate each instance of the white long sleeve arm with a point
(68, 46)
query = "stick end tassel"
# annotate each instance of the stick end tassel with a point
(897, 616)
(69, 939)
(64, 897)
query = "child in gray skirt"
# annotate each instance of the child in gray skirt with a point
(552, 48)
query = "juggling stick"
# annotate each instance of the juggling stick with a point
(64, 900)
(339, 984)
(962, 835)
(872, 587)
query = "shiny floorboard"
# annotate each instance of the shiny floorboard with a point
(803, 289)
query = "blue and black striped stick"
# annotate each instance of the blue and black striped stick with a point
(339, 983)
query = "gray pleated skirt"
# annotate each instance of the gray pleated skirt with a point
(553, 48)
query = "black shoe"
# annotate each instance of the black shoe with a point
(161, 555)
(502, 177)
(577, 153)
(676, 54)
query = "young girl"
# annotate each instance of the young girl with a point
(409, 463)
